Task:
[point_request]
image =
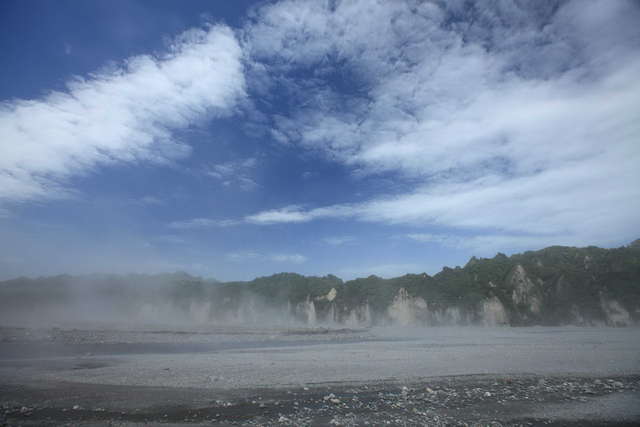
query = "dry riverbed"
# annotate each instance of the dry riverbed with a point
(320, 377)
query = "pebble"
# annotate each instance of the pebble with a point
(404, 405)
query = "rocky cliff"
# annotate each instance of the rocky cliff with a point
(552, 286)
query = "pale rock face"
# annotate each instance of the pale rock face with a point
(359, 316)
(246, 312)
(331, 315)
(451, 316)
(524, 289)
(493, 312)
(576, 316)
(352, 319)
(330, 296)
(420, 303)
(311, 312)
(367, 314)
(616, 314)
(561, 287)
(454, 315)
(405, 309)
(307, 309)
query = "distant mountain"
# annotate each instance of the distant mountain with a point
(553, 286)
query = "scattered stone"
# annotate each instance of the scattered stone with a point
(450, 402)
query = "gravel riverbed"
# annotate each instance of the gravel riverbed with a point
(316, 377)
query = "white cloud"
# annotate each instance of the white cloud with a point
(285, 215)
(199, 223)
(238, 173)
(290, 258)
(575, 204)
(121, 114)
(514, 119)
(338, 240)
(151, 200)
(279, 258)
(243, 256)
(293, 214)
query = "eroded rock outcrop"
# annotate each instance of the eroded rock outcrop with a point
(616, 315)
(493, 312)
(407, 310)
(525, 293)
(359, 316)
(554, 286)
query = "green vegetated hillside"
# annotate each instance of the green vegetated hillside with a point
(553, 286)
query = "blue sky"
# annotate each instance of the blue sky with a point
(238, 139)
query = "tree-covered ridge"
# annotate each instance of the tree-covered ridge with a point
(555, 285)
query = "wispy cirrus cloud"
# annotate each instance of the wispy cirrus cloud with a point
(338, 240)
(290, 258)
(575, 206)
(122, 114)
(238, 173)
(287, 214)
(200, 223)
